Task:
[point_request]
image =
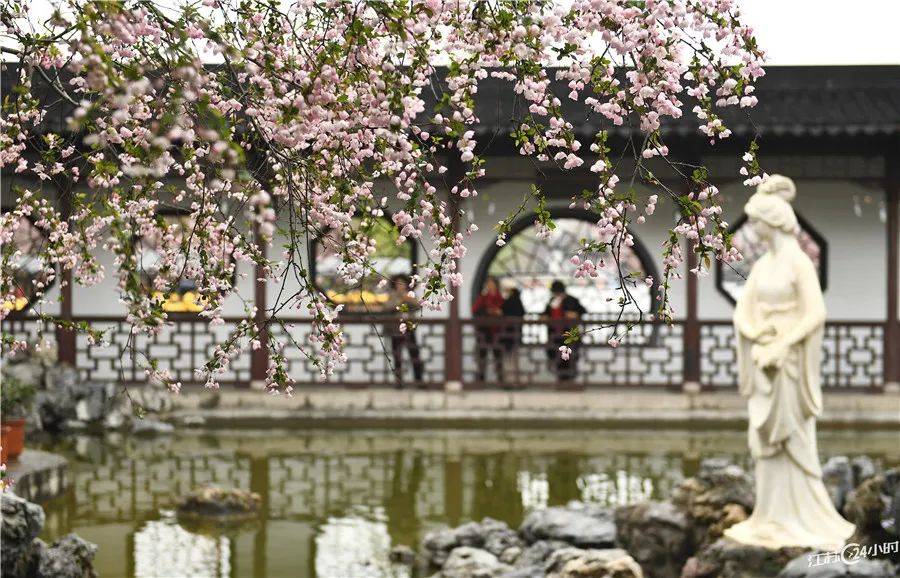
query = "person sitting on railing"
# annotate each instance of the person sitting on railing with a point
(405, 336)
(488, 305)
(511, 333)
(563, 313)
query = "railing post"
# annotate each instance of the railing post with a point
(453, 331)
(259, 358)
(892, 324)
(691, 335)
(65, 338)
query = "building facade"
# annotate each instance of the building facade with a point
(834, 130)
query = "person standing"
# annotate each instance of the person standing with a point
(488, 306)
(511, 333)
(563, 313)
(403, 337)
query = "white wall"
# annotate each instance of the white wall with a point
(856, 246)
(857, 280)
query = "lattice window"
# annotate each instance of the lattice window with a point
(531, 263)
(730, 278)
(369, 294)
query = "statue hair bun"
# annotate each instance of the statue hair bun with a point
(778, 185)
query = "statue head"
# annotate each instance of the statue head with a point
(769, 209)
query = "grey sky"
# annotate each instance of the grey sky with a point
(800, 31)
(826, 31)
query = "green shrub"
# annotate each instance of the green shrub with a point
(16, 397)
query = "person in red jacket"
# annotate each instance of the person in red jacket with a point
(563, 314)
(489, 305)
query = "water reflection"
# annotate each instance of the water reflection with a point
(335, 502)
(354, 545)
(163, 548)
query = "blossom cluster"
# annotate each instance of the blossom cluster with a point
(269, 125)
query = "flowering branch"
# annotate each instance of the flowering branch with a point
(306, 120)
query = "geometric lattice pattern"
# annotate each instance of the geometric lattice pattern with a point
(651, 355)
(852, 355)
(369, 347)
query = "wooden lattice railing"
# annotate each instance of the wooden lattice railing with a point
(509, 354)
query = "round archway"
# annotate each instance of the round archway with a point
(530, 264)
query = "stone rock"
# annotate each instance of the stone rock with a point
(468, 562)
(801, 567)
(719, 496)
(491, 535)
(837, 475)
(500, 538)
(525, 572)
(511, 554)
(91, 404)
(403, 555)
(149, 428)
(863, 469)
(578, 524)
(578, 563)
(69, 557)
(29, 371)
(726, 558)
(60, 376)
(193, 421)
(154, 398)
(55, 406)
(867, 507)
(891, 488)
(22, 522)
(219, 506)
(536, 554)
(657, 535)
(116, 418)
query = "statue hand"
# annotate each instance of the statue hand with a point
(769, 354)
(767, 334)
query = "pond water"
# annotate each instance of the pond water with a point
(335, 501)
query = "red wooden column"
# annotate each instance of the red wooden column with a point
(259, 359)
(691, 335)
(65, 338)
(453, 333)
(892, 326)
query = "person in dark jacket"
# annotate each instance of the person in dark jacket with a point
(400, 340)
(563, 313)
(488, 305)
(511, 333)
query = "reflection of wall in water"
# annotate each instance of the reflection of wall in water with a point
(318, 486)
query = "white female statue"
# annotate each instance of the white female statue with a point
(779, 321)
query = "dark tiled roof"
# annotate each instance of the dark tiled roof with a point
(808, 101)
(794, 101)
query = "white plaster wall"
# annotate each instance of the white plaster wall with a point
(857, 278)
(856, 257)
(103, 298)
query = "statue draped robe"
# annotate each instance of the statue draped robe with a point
(792, 507)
